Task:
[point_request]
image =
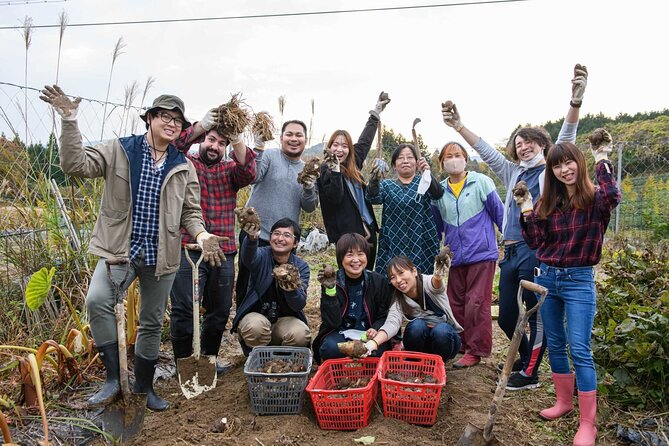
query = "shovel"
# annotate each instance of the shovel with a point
(123, 418)
(197, 373)
(414, 135)
(473, 435)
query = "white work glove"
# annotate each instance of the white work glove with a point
(578, 84)
(211, 248)
(451, 116)
(371, 347)
(236, 139)
(600, 144)
(66, 108)
(523, 197)
(331, 160)
(442, 261)
(210, 119)
(379, 169)
(258, 142)
(380, 104)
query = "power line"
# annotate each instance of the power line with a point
(276, 15)
(29, 2)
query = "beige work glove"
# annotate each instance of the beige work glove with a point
(451, 116)
(578, 84)
(210, 119)
(442, 261)
(249, 221)
(211, 248)
(381, 103)
(66, 108)
(523, 197)
(600, 144)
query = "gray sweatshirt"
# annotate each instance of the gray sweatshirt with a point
(396, 316)
(276, 194)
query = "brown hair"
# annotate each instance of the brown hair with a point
(555, 194)
(349, 168)
(538, 135)
(348, 242)
(447, 146)
(403, 263)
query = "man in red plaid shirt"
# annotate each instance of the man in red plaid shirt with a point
(220, 178)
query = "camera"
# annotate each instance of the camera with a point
(270, 311)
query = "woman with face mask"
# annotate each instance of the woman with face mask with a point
(408, 227)
(526, 149)
(470, 208)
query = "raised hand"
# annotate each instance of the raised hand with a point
(451, 116)
(249, 221)
(600, 144)
(578, 84)
(523, 197)
(381, 103)
(442, 261)
(310, 173)
(287, 276)
(210, 119)
(327, 276)
(66, 108)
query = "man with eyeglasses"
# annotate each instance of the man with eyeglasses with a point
(150, 190)
(220, 178)
(273, 311)
(276, 193)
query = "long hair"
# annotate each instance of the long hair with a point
(403, 263)
(555, 194)
(538, 135)
(349, 168)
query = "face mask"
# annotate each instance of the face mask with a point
(424, 184)
(534, 161)
(454, 165)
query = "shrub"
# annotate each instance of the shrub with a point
(630, 332)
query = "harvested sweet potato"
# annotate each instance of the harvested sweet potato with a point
(352, 349)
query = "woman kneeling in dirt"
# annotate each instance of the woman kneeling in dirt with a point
(567, 227)
(351, 298)
(422, 300)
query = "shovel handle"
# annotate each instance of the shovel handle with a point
(195, 268)
(523, 318)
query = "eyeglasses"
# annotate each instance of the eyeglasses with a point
(167, 118)
(286, 235)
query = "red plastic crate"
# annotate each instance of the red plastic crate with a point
(413, 403)
(348, 409)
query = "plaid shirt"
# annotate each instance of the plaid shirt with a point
(573, 237)
(219, 184)
(145, 210)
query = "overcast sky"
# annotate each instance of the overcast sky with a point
(502, 64)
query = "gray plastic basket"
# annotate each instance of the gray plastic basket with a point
(277, 393)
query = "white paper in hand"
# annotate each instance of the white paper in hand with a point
(353, 335)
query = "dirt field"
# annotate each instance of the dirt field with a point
(466, 397)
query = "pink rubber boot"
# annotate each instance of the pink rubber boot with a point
(587, 406)
(564, 391)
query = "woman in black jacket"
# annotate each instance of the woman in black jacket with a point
(341, 188)
(351, 298)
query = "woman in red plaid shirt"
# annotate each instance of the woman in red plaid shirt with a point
(567, 228)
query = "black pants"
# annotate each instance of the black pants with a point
(215, 291)
(243, 272)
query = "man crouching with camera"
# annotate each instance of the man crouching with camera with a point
(272, 312)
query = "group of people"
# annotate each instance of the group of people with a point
(158, 196)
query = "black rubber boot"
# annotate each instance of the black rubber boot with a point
(144, 370)
(112, 385)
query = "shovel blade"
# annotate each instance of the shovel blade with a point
(123, 420)
(473, 436)
(196, 376)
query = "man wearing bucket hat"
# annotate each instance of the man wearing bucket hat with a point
(150, 190)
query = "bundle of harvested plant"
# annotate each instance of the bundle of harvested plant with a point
(233, 116)
(263, 125)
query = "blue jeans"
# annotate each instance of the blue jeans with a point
(442, 339)
(571, 295)
(329, 349)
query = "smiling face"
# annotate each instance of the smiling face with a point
(161, 132)
(293, 140)
(340, 148)
(405, 164)
(566, 172)
(212, 149)
(526, 149)
(404, 280)
(282, 240)
(354, 262)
